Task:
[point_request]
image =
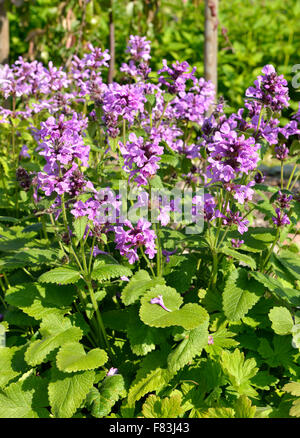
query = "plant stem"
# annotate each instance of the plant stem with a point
(147, 261)
(291, 176)
(271, 248)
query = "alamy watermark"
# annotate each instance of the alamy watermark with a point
(179, 206)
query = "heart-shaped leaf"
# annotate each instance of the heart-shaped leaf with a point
(72, 357)
(189, 316)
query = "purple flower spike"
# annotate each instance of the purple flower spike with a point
(159, 300)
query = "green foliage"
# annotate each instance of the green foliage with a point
(241, 293)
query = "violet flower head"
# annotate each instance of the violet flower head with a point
(281, 152)
(129, 238)
(175, 78)
(281, 218)
(284, 200)
(159, 300)
(141, 157)
(230, 154)
(167, 254)
(24, 152)
(271, 89)
(236, 243)
(259, 178)
(139, 48)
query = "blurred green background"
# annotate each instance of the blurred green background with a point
(252, 33)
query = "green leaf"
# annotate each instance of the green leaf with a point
(63, 275)
(39, 300)
(67, 391)
(246, 259)
(12, 364)
(239, 371)
(222, 339)
(142, 338)
(55, 332)
(108, 271)
(138, 285)
(282, 321)
(243, 408)
(80, 224)
(294, 389)
(291, 262)
(240, 294)
(290, 295)
(152, 376)
(189, 316)
(280, 355)
(102, 400)
(190, 346)
(24, 399)
(168, 407)
(72, 357)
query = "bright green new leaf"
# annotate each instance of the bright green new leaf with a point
(282, 321)
(72, 357)
(138, 285)
(189, 316)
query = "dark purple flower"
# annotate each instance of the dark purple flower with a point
(281, 152)
(281, 218)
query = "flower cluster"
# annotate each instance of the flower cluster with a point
(129, 238)
(144, 155)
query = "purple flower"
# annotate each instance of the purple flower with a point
(236, 243)
(141, 157)
(129, 238)
(270, 89)
(139, 48)
(210, 340)
(284, 200)
(281, 152)
(175, 78)
(24, 152)
(281, 218)
(230, 155)
(159, 300)
(167, 254)
(123, 101)
(235, 218)
(112, 372)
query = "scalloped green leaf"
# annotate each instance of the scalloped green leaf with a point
(68, 390)
(282, 321)
(102, 400)
(189, 316)
(240, 294)
(55, 332)
(61, 275)
(190, 346)
(108, 271)
(72, 357)
(26, 398)
(39, 300)
(138, 285)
